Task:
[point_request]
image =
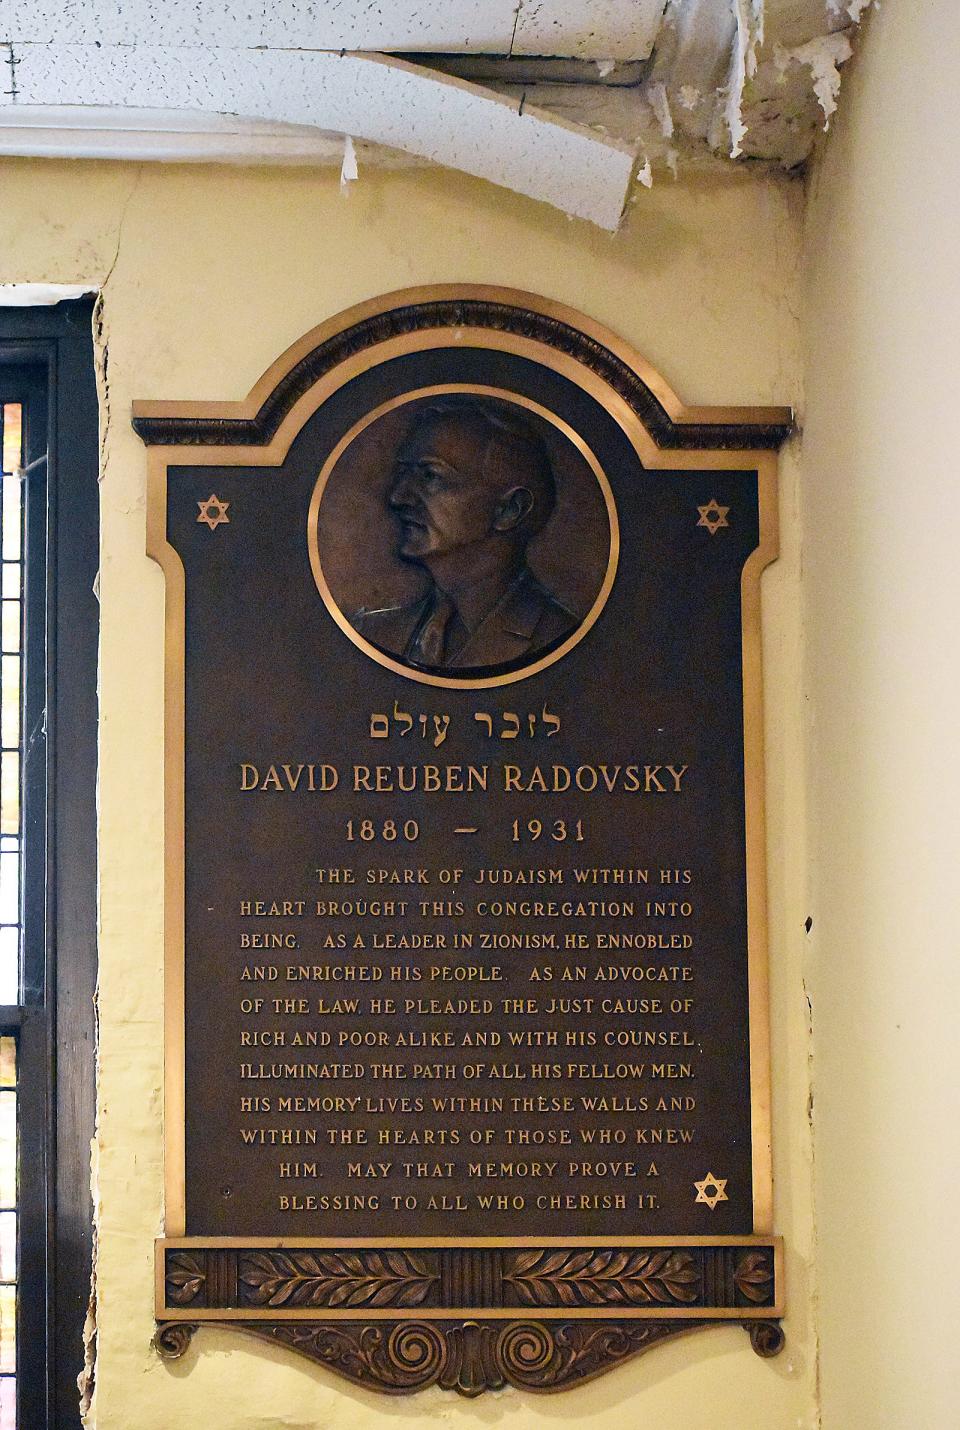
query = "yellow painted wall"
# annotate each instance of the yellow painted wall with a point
(207, 275)
(882, 577)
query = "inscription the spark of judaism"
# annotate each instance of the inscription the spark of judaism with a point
(713, 516)
(213, 512)
(712, 1190)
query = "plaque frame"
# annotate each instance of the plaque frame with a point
(463, 1333)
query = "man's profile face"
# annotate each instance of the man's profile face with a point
(439, 492)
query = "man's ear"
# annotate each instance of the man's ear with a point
(512, 508)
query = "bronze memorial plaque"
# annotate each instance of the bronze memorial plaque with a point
(466, 997)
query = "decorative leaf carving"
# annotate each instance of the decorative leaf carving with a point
(754, 1276)
(604, 1278)
(185, 1276)
(335, 1278)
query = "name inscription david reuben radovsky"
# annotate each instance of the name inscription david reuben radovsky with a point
(467, 1055)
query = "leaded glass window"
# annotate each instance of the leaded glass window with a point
(48, 641)
(11, 720)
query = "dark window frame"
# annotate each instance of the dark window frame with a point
(47, 362)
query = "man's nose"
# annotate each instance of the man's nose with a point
(403, 488)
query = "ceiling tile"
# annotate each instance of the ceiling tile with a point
(452, 25)
(588, 29)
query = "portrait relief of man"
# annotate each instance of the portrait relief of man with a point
(471, 486)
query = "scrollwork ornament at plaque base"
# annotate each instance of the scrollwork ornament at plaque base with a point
(766, 1337)
(172, 1338)
(471, 1357)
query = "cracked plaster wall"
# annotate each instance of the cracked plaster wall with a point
(207, 275)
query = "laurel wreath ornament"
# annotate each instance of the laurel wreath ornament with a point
(754, 1276)
(185, 1277)
(327, 1278)
(604, 1278)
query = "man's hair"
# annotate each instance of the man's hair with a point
(513, 452)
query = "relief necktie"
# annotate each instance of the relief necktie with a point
(427, 646)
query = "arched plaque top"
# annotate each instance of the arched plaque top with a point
(463, 312)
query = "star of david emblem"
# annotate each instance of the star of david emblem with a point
(713, 516)
(712, 1190)
(213, 512)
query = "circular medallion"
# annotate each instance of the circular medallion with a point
(463, 536)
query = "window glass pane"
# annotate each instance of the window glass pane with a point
(9, 804)
(8, 1064)
(8, 1328)
(11, 494)
(8, 1403)
(8, 1149)
(9, 965)
(8, 1246)
(10, 626)
(10, 701)
(11, 579)
(9, 888)
(12, 436)
(11, 518)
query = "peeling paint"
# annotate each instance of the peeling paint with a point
(854, 10)
(86, 1379)
(101, 363)
(823, 57)
(657, 95)
(743, 66)
(723, 65)
(348, 169)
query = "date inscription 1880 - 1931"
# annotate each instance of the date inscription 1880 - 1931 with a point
(467, 1075)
